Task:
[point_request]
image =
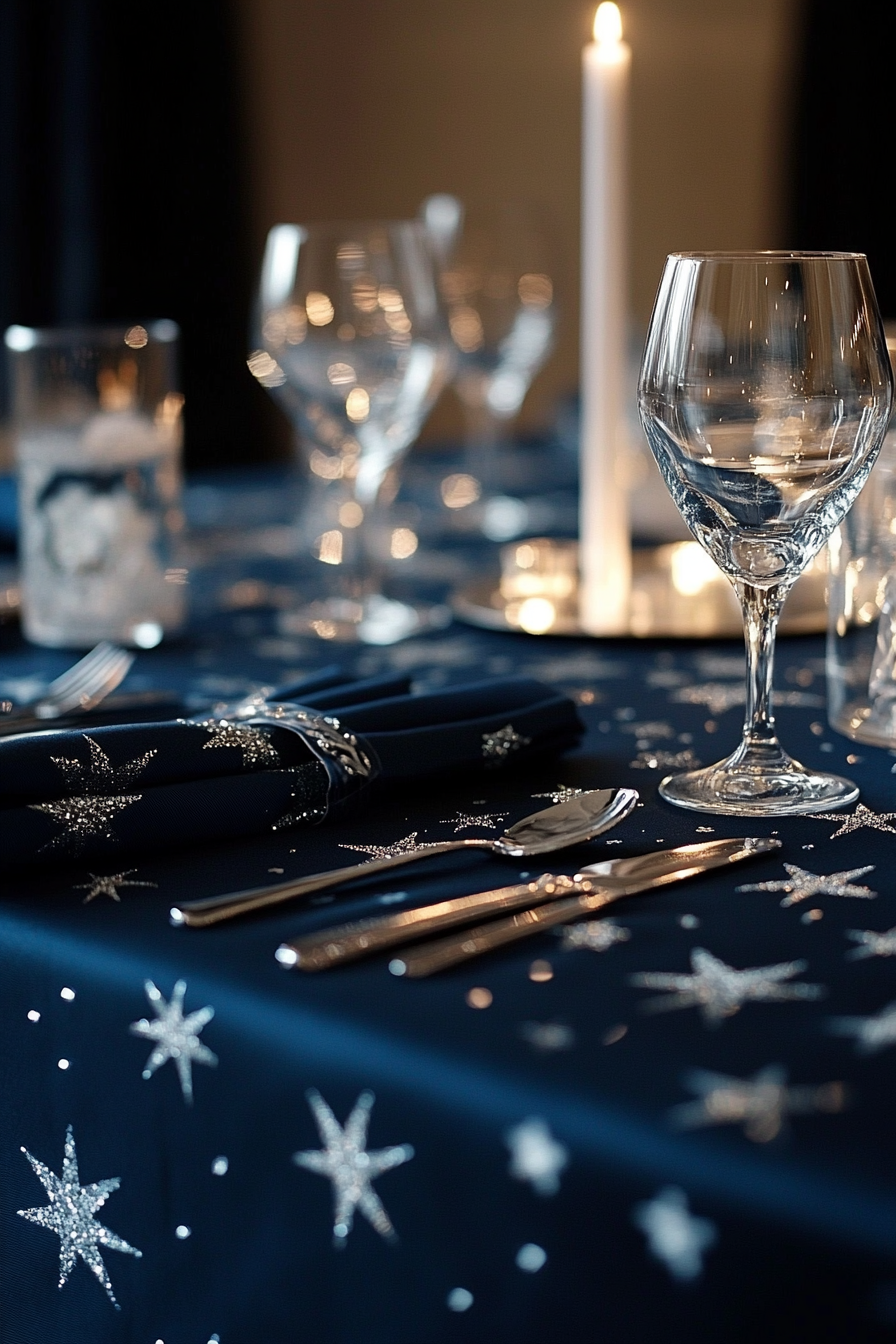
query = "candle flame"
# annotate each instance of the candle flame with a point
(607, 23)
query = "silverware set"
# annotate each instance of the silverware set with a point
(524, 908)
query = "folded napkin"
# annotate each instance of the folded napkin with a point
(261, 765)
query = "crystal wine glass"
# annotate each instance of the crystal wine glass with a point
(353, 342)
(765, 390)
(498, 281)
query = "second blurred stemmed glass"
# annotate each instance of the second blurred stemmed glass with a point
(353, 342)
(765, 392)
(498, 285)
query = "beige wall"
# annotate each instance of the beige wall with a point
(362, 107)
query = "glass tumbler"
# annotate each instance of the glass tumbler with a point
(97, 428)
(861, 661)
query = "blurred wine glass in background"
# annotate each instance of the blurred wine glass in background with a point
(498, 281)
(352, 341)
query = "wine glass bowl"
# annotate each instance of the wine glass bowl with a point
(764, 394)
(352, 341)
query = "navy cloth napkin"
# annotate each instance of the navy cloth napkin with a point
(116, 789)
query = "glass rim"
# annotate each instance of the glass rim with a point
(20, 339)
(350, 226)
(768, 254)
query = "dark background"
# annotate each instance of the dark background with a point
(129, 150)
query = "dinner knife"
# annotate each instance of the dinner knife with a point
(610, 879)
(441, 953)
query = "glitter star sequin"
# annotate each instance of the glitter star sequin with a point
(655, 728)
(108, 886)
(860, 819)
(96, 799)
(595, 935)
(561, 794)
(408, 845)
(345, 1161)
(761, 1103)
(536, 1156)
(871, 1033)
(466, 821)
(872, 944)
(720, 990)
(176, 1036)
(673, 1234)
(665, 760)
(70, 1215)
(252, 742)
(800, 884)
(500, 743)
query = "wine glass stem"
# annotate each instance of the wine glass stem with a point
(761, 608)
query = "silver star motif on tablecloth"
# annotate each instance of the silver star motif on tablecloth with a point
(800, 884)
(761, 1103)
(176, 1036)
(718, 697)
(720, 990)
(575, 667)
(97, 796)
(871, 1033)
(252, 742)
(407, 845)
(70, 1215)
(499, 743)
(596, 935)
(535, 1155)
(673, 1234)
(561, 794)
(654, 728)
(858, 820)
(466, 821)
(345, 1161)
(108, 886)
(872, 944)
(665, 760)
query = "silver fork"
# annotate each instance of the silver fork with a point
(82, 687)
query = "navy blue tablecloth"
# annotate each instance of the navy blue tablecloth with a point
(560, 1188)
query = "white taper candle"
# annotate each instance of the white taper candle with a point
(604, 535)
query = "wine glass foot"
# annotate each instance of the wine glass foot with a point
(375, 620)
(733, 788)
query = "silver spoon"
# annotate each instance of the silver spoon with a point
(569, 823)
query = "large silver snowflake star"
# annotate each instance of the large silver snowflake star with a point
(561, 794)
(861, 818)
(595, 935)
(108, 886)
(872, 944)
(176, 1036)
(499, 743)
(871, 1033)
(345, 1161)
(70, 1215)
(407, 845)
(467, 821)
(252, 742)
(536, 1156)
(97, 796)
(720, 990)
(760, 1103)
(801, 884)
(673, 1234)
